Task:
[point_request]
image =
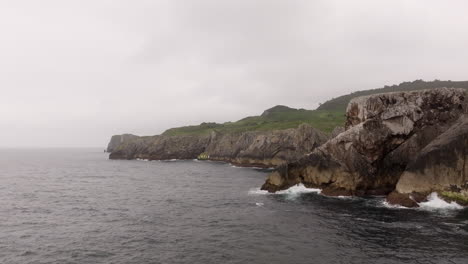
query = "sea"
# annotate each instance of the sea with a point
(77, 206)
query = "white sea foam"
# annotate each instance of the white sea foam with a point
(292, 191)
(259, 204)
(299, 189)
(435, 203)
(393, 206)
(253, 168)
(257, 191)
(142, 159)
(344, 197)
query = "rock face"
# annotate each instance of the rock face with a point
(269, 148)
(161, 148)
(384, 133)
(441, 164)
(338, 130)
(256, 148)
(119, 139)
(440, 167)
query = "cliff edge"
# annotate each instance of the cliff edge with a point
(253, 148)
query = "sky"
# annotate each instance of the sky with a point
(75, 72)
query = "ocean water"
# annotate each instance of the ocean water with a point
(76, 206)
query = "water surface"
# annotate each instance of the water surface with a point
(76, 206)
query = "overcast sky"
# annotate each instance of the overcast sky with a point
(75, 72)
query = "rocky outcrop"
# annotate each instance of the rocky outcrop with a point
(439, 167)
(161, 148)
(254, 148)
(118, 140)
(336, 131)
(267, 148)
(384, 133)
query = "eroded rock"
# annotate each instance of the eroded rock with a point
(118, 140)
(268, 148)
(441, 165)
(255, 148)
(336, 131)
(382, 131)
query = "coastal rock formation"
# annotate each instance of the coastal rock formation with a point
(119, 139)
(254, 148)
(440, 167)
(161, 148)
(384, 133)
(266, 148)
(338, 130)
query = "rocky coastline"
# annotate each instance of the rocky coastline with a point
(249, 149)
(405, 145)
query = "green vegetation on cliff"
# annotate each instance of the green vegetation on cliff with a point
(278, 117)
(328, 116)
(456, 197)
(340, 103)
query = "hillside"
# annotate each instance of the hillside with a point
(340, 103)
(325, 118)
(278, 117)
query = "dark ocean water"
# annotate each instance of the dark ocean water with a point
(76, 206)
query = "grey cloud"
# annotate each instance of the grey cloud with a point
(76, 72)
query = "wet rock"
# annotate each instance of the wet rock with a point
(403, 199)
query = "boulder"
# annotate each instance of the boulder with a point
(395, 198)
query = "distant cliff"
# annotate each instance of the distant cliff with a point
(413, 141)
(119, 139)
(253, 148)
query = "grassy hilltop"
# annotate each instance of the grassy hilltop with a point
(278, 117)
(340, 103)
(325, 118)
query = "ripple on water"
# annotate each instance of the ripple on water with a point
(76, 206)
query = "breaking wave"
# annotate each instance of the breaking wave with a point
(292, 191)
(435, 203)
(392, 206)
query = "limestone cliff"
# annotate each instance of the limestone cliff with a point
(161, 148)
(384, 133)
(119, 139)
(254, 148)
(439, 167)
(267, 148)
